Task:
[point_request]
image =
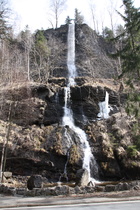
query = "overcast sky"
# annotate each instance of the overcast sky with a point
(36, 13)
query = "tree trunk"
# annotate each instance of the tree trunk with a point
(5, 145)
(28, 65)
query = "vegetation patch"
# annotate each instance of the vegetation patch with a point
(132, 151)
(74, 154)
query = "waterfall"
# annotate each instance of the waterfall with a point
(68, 119)
(71, 55)
(104, 108)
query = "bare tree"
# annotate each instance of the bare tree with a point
(17, 64)
(14, 60)
(5, 145)
(112, 12)
(57, 6)
(93, 15)
(27, 41)
(4, 34)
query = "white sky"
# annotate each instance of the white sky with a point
(36, 13)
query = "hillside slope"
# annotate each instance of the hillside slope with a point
(37, 142)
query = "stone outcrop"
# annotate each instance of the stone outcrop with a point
(82, 177)
(35, 103)
(39, 144)
(91, 54)
(109, 141)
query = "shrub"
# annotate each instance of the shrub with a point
(132, 150)
(74, 154)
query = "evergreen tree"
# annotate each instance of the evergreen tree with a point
(40, 56)
(130, 53)
(119, 30)
(79, 19)
(4, 28)
(130, 59)
(68, 20)
(107, 33)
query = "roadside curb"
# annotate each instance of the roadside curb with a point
(44, 201)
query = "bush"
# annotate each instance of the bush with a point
(74, 154)
(132, 150)
(138, 142)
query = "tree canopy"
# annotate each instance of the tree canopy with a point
(130, 59)
(130, 52)
(3, 19)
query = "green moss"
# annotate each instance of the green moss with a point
(132, 151)
(137, 138)
(134, 164)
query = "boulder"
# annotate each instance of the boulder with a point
(62, 190)
(7, 174)
(35, 181)
(82, 177)
(110, 188)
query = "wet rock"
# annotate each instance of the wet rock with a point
(85, 101)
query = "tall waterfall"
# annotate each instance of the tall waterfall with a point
(68, 114)
(71, 55)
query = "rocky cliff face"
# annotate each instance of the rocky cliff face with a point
(38, 143)
(91, 53)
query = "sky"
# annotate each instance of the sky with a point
(36, 13)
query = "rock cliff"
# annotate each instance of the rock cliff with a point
(38, 143)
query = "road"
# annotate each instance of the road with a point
(122, 205)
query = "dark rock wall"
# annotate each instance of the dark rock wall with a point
(38, 142)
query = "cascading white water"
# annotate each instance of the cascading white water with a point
(104, 108)
(71, 55)
(68, 114)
